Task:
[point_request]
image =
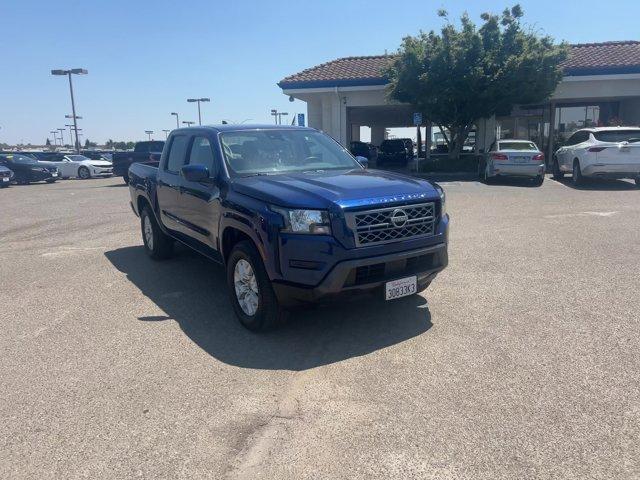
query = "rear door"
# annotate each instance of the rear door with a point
(168, 189)
(200, 201)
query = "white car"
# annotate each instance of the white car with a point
(512, 158)
(83, 167)
(603, 152)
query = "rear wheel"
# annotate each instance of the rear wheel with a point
(157, 244)
(125, 177)
(539, 180)
(252, 296)
(557, 173)
(577, 177)
(84, 173)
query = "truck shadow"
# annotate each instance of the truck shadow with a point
(192, 291)
(599, 184)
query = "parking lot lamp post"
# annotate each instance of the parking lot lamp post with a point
(73, 71)
(187, 123)
(274, 112)
(70, 125)
(55, 137)
(149, 132)
(177, 119)
(280, 115)
(166, 133)
(198, 101)
(61, 130)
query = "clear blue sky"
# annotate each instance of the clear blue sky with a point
(146, 57)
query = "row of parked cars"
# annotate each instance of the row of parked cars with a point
(24, 168)
(398, 151)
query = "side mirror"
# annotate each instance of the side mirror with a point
(196, 173)
(363, 161)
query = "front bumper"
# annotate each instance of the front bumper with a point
(101, 171)
(518, 169)
(366, 275)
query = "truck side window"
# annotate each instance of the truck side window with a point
(202, 154)
(177, 153)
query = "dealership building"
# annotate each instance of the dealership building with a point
(601, 86)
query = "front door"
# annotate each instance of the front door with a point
(200, 201)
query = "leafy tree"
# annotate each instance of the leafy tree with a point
(465, 73)
(88, 143)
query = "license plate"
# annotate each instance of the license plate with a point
(5, 179)
(520, 159)
(401, 288)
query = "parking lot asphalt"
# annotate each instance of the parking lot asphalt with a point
(520, 361)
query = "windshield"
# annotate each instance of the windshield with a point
(252, 152)
(520, 146)
(21, 159)
(392, 146)
(77, 158)
(629, 135)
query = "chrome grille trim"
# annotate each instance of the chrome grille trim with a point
(375, 226)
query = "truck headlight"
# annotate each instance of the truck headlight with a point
(305, 221)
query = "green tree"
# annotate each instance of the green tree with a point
(48, 143)
(464, 73)
(88, 143)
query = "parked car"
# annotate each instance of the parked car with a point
(79, 166)
(6, 176)
(363, 149)
(512, 158)
(602, 152)
(396, 150)
(97, 155)
(27, 170)
(291, 215)
(143, 152)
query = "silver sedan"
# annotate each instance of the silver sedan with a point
(513, 158)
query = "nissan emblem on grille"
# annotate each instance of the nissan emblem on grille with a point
(384, 225)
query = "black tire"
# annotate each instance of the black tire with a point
(84, 173)
(577, 177)
(268, 313)
(125, 177)
(557, 173)
(157, 244)
(539, 180)
(50, 180)
(423, 287)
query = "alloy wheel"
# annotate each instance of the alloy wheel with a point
(246, 287)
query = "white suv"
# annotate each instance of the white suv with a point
(603, 152)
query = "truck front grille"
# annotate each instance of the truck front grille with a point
(385, 225)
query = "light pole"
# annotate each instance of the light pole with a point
(280, 115)
(166, 133)
(149, 132)
(55, 138)
(61, 130)
(70, 125)
(73, 71)
(274, 112)
(187, 123)
(78, 117)
(198, 100)
(177, 119)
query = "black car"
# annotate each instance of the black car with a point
(6, 176)
(398, 150)
(362, 149)
(27, 169)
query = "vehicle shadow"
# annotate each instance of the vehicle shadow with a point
(192, 291)
(599, 184)
(512, 182)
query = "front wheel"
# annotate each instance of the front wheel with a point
(539, 180)
(84, 173)
(50, 180)
(252, 296)
(577, 177)
(125, 177)
(638, 182)
(157, 244)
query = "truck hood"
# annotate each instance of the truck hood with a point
(343, 188)
(99, 163)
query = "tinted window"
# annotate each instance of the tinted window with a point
(521, 146)
(202, 154)
(392, 145)
(629, 135)
(149, 147)
(177, 153)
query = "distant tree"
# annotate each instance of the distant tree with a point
(465, 73)
(109, 143)
(48, 143)
(88, 143)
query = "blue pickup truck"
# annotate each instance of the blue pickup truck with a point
(292, 216)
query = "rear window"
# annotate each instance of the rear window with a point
(618, 136)
(520, 146)
(392, 145)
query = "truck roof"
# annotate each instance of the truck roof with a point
(238, 127)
